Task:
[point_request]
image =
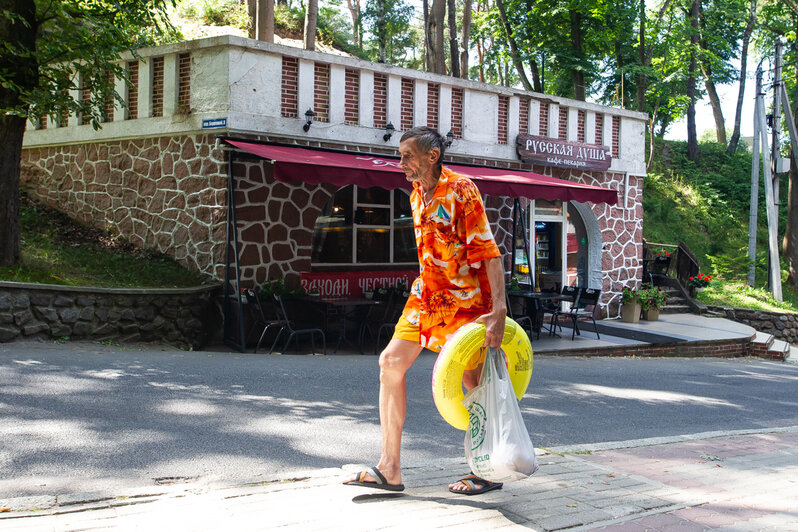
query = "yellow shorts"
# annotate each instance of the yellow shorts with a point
(407, 331)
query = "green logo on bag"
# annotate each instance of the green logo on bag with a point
(476, 424)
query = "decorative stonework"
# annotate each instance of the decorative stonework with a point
(167, 194)
(783, 326)
(186, 318)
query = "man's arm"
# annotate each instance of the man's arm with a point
(494, 320)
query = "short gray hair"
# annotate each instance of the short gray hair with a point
(426, 139)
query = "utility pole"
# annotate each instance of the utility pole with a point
(775, 146)
(754, 205)
(774, 270)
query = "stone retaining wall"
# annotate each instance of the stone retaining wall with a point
(739, 347)
(783, 326)
(184, 317)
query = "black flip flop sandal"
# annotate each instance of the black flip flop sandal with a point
(381, 483)
(471, 481)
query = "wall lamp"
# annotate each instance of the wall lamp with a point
(389, 129)
(309, 114)
(449, 138)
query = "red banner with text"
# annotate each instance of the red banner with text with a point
(354, 284)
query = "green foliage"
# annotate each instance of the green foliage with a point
(216, 12)
(651, 297)
(56, 250)
(77, 46)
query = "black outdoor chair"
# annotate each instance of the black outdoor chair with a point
(519, 313)
(376, 315)
(289, 326)
(583, 308)
(259, 320)
(656, 269)
(391, 315)
(569, 295)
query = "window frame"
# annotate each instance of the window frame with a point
(391, 206)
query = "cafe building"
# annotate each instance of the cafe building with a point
(253, 162)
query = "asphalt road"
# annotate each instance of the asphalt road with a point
(85, 417)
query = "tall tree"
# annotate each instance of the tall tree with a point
(261, 15)
(435, 24)
(49, 45)
(692, 135)
(388, 21)
(514, 50)
(354, 11)
(454, 52)
(311, 20)
(467, 7)
(738, 114)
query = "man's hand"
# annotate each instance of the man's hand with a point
(494, 327)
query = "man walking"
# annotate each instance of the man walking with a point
(461, 281)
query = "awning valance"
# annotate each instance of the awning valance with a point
(307, 165)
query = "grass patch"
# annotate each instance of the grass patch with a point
(57, 250)
(738, 294)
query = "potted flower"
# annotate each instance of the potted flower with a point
(698, 282)
(652, 299)
(630, 308)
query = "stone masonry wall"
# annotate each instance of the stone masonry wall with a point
(783, 326)
(181, 317)
(167, 194)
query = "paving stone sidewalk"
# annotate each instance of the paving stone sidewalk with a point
(730, 482)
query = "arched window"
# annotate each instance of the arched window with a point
(365, 226)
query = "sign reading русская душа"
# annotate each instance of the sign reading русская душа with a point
(563, 154)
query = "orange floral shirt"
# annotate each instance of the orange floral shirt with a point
(453, 238)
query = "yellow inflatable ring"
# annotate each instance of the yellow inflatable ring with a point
(447, 376)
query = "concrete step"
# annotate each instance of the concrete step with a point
(760, 344)
(675, 309)
(792, 356)
(779, 350)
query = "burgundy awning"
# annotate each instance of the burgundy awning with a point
(316, 166)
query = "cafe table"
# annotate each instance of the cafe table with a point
(344, 308)
(534, 305)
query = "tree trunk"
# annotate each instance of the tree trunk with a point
(381, 33)
(519, 67)
(709, 83)
(252, 8)
(354, 12)
(24, 73)
(454, 52)
(436, 18)
(427, 37)
(692, 136)
(576, 45)
(642, 80)
(466, 39)
(311, 17)
(265, 20)
(714, 100)
(533, 67)
(738, 115)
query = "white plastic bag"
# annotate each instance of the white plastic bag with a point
(497, 445)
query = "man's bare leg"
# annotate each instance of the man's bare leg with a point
(395, 360)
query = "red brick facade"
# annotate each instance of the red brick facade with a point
(290, 87)
(457, 113)
(408, 107)
(380, 101)
(352, 102)
(157, 86)
(523, 116)
(504, 103)
(433, 105)
(616, 131)
(580, 126)
(184, 83)
(133, 90)
(599, 129)
(321, 92)
(544, 119)
(562, 132)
